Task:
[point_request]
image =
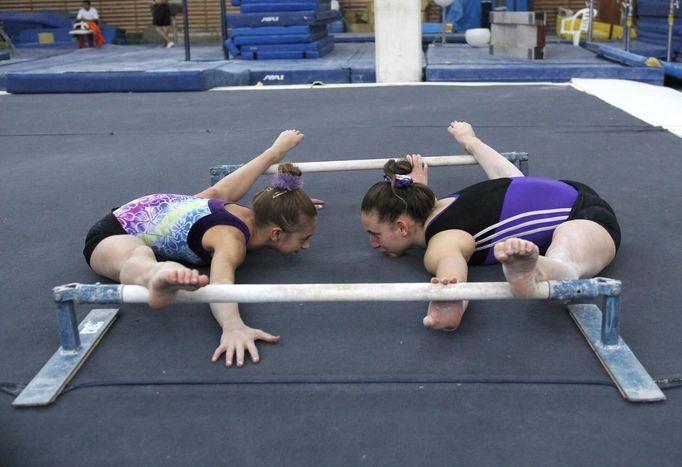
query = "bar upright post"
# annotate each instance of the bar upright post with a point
(68, 326)
(610, 321)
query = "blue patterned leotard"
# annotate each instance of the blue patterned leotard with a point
(173, 225)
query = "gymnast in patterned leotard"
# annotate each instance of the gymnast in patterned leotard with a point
(149, 240)
(538, 228)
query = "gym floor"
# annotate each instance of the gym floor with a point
(349, 383)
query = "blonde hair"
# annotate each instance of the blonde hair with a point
(284, 203)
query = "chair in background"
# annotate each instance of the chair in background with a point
(569, 25)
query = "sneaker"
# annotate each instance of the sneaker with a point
(170, 44)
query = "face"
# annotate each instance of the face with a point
(290, 243)
(388, 237)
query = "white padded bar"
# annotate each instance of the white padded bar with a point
(267, 293)
(365, 164)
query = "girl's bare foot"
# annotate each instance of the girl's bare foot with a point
(463, 133)
(165, 281)
(519, 260)
(444, 315)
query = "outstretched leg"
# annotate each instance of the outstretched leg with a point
(579, 249)
(128, 260)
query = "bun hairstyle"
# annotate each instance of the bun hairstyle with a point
(398, 194)
(284, 203)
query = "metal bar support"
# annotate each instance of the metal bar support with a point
(68, 326)
(599, 328)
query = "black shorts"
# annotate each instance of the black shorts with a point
(103, 228)
(161, 14)
(590, 206)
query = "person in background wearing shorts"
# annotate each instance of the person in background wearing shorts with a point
(161, 19)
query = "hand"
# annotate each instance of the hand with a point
(420, 169)
(318, 203)
(461, 131)
(286, 141)
(235, 342)
(445, 316)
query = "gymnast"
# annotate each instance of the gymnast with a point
(538, 228)
(207, 229)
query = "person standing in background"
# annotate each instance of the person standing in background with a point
(161, 19)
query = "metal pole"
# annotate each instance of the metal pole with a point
(68, 326)
(443, 39)
(671, 20)
(185, 25)
(628, 24)
(589, 25)
(610, 323)
(223, 30)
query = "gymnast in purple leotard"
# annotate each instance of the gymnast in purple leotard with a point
(538, 228)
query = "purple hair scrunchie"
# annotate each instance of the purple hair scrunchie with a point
(401, 181)
(287, 181)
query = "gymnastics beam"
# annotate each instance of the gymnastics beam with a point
(520, 158)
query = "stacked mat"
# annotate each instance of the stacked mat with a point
(652, 24)
(280, 29)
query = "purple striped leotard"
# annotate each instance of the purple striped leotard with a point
(494, 210)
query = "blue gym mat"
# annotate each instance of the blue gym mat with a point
(316, 33)
(458, 62)
(285, 18)
(284, 6)
(143, 68)
(349, 384)
(314, 49)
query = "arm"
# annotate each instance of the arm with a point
(492, 162)
(237, 338)
(446, 258)
(235, 185)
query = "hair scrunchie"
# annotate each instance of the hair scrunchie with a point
(401, 181)
(287, 181)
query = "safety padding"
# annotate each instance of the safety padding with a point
(284, 18)
(125, 81)
(315, 49)
(653, 9)
(292, 5)
(275, 76)
(280, 35)
(48, 20)
(528, 73)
